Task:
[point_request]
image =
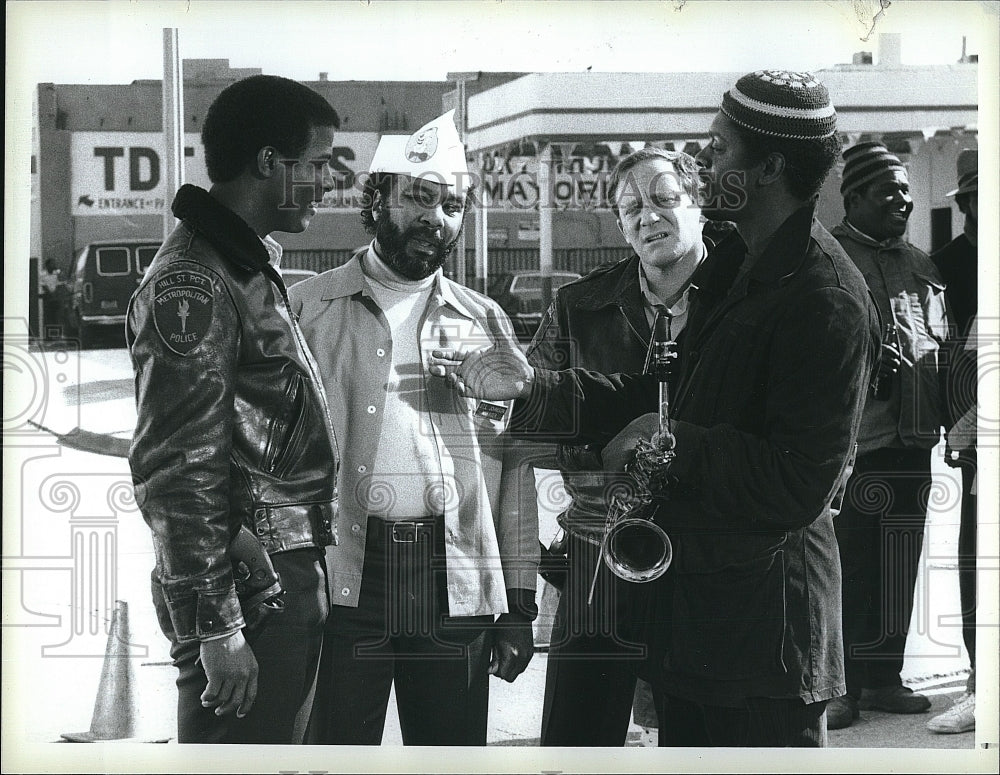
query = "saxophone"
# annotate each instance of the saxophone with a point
(634, 547)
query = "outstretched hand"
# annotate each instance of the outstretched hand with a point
(499, 372)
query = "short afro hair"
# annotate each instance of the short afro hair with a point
(256, 112)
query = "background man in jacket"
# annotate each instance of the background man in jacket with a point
(603, 322)
(775, 362)
(958, 263)
(880, 529)
(427, 554)
(232, 429)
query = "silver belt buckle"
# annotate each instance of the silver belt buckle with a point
(405, 532)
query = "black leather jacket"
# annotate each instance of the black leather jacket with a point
(598, 323)
(232, 425)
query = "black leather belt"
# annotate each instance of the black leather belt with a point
(410, 531)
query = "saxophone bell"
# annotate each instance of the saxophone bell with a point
(634, 547)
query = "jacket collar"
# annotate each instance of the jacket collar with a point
(787, 249)
(628, 288)
(347, 280)
(229, 233)
(781, 259)
(600, 295)
(350, 279)
(847, 229)
(716, 273)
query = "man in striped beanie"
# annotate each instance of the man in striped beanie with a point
(881, 526)
(876, 191)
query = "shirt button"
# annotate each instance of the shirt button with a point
(355, 528)
(371, 410)
(362, 469)
(380, 352)
(345, 592)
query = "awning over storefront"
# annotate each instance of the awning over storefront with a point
(604, 107)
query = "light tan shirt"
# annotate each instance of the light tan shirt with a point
(489, 549)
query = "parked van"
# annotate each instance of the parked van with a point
(100, 283)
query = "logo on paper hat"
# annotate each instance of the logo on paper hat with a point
(422, 145)
(434, 152)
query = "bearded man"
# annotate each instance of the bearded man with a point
(428, 557)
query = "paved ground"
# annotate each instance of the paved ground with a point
(73, 542)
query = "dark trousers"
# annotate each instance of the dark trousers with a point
(760, 723)
(286, 646)
(51, 312)
(967, 539)
(590, 676)
(400, 634)
(880, 530)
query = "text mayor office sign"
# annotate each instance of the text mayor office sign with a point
(122, 173)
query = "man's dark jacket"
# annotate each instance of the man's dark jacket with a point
(775, 368)
(232, 424)
(597, 322)
(959, 267)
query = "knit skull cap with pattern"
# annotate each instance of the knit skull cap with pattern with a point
(784, 104)
(865, 162)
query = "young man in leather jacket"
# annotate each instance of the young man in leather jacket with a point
(233, 430)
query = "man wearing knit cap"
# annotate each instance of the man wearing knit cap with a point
(428, 555)
(959, 266)
(776, 358)
(881, 526)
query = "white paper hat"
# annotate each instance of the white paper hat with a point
(434, 152)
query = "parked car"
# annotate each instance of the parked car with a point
(520, 295)
(99, 285)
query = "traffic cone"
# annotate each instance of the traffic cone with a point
(115, 708)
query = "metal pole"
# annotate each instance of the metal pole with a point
(461, 273)
(545, 220)
(173, 123)
(482, 219)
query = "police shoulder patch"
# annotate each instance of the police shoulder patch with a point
(182, 308)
